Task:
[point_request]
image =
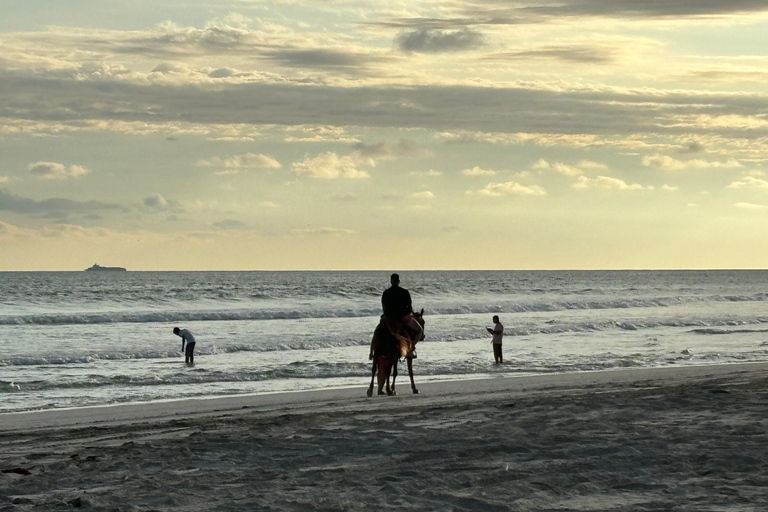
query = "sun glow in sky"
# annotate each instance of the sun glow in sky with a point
(461, 134)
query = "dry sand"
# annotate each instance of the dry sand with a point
(682, 439)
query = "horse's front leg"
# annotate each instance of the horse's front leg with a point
(410, 374)
(373, 376)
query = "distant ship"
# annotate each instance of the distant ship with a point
(98, 268)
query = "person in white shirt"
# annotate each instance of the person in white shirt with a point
(189, 340)
(498, 333)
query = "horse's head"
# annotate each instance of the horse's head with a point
(419, 316)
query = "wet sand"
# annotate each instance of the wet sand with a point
(688, 438)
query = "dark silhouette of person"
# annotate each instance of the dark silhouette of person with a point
(186, 337)
(498, 334)
(397, 306)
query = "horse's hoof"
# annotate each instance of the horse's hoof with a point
(391, 393)
(415, 391)
(369, 392)
(381, 392)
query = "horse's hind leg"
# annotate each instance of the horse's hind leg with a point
(410, 374)
(373, 376)
(383, 377)
(391, 390)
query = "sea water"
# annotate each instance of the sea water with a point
(70, 339)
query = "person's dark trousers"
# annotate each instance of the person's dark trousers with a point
(497, 352)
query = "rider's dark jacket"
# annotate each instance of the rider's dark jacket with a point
(396, 302)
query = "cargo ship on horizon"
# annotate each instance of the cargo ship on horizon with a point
(98, 268)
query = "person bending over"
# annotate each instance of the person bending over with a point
(189, 340)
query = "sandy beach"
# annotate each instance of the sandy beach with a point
(688, 438)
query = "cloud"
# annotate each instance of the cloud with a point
(733, 121)
(570, 170)
(318, 134)
(477, 171)
(241, 162)
(692, 147)
(668, 163)
(579, 54)
(439, 41)
(509, 188)
(173, 46)
(750, 206)
(52, 231)
(607, 182)
(325, 231)
(52, 207)
(56, 171)
(749, 182)
(422, 195)
(320, 58)
(592, 166)
(330, 166)
(547, 114)
(156, 202)
(383, 151)
(4, 179)
(432, 173)
(229, 224)
(567, 170)
(501, 12)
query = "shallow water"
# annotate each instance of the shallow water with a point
(76, 338)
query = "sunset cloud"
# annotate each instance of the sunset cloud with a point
(477, 171)
(509, 188)
(330, 166)
(56, 171)
(320, 129)
(439, 41)
(749, 182)
(23, 205)
(241, 162)
(668, 163)
(607, 182)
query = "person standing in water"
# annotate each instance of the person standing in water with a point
(189, 340)
(498, 333)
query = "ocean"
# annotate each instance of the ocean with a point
(73, 339)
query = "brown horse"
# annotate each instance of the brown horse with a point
(392, 341)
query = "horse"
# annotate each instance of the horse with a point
(392, 341)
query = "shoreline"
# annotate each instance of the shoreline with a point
(198, 407)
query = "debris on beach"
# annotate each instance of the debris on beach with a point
(18, 471)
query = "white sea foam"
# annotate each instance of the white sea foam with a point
(73, 339)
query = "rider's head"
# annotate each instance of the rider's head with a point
(496, 318)
(394, 279)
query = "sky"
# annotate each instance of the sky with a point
(335, 134)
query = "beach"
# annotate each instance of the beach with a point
(687, 438)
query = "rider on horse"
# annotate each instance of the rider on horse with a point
(398, 309)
